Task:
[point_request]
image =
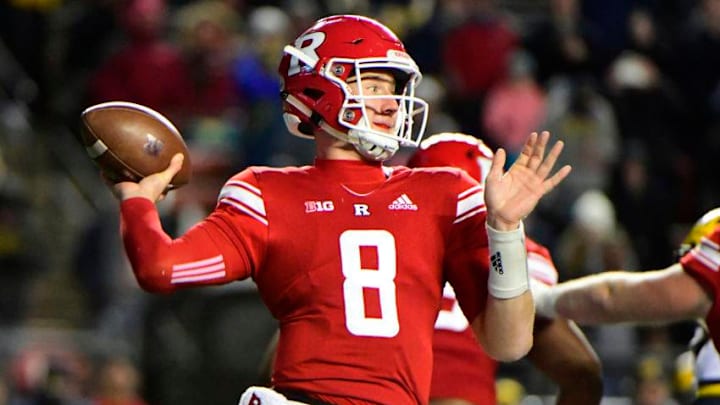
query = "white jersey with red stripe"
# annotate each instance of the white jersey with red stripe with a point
(349, 256)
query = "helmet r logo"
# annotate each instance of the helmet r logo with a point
(306, 44)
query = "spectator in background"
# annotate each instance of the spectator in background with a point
(654, 182)
(49, 373)
(118, 383)
(514, 106)
(700, 80)
(25, 32)
(563, 43)
(217, 114)
(20, 240)
(647, 219)
(207, 37)
(475, 55)
(647, 37)
(699, 49)
(586, 120)
(425, 40)
(510, 391)
(90, 35)
(147, 69)
(268, 29)
(594, 240)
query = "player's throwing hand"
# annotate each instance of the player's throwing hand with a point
(152, 187)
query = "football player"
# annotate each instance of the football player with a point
(686, 290)
(462, 373)
(706, 370)
(350, 256)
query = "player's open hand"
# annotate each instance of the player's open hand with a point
(153, 187)
(511, 196)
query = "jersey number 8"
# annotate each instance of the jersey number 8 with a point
(357, 279)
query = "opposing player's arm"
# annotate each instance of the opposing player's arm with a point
(562, 352)
(666, 295)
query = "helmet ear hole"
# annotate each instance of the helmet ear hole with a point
(314, 94)
(306, 129)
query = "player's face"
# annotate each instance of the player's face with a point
(382, 112)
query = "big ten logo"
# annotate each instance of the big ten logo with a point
(319, 206)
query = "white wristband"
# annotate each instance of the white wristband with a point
(508, 262)
(544, 299)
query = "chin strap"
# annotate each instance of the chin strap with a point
(374, 147)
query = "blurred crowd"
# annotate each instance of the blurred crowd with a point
(631, 86)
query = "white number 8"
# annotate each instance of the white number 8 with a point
(357, 278)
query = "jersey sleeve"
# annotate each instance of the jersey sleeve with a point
(467, 256)
(226, 246)
(703, 261)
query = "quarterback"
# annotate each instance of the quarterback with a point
(350, 256)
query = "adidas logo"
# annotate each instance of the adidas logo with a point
(403, 203)
(496, 263)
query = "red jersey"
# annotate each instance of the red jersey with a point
(349, 256)
(461, 368)
(703, 263)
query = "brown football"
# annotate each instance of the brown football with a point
(129, 141)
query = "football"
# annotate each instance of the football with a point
(129, 141)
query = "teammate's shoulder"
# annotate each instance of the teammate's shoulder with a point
(445, 177)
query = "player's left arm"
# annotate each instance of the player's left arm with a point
(562, 352)
(505, 327)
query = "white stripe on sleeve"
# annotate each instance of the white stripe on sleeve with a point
(470, 203)
(246, 198)
(707, 253)
(199, 270)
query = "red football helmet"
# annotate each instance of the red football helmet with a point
(316, 95)
(455, 150)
